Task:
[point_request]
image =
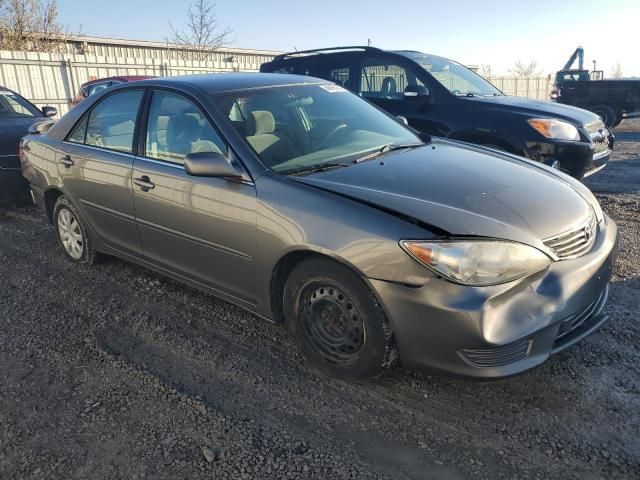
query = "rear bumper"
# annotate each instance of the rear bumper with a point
(502, 330)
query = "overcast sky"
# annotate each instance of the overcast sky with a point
(497, 33)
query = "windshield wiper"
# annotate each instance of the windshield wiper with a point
(323, 167)
(389, 147)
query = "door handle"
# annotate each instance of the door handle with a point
(66, 161)
(144, 183)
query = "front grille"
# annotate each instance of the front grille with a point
(498, 356)
(594, 127)
(599, 136)
(579, 319)
(575, 242)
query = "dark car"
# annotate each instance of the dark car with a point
(17, 115)
(441, 97)
(94, 86)
(297, 200)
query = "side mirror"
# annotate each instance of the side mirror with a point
(418, 92)
(210, 164)
(403, 120)
(41, 127)
(49, 111)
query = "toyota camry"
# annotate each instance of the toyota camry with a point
(300, 201)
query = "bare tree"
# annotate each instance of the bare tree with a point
(30, 25)
(523, 69)
(484, 70)
(616, 72)
(201, 35)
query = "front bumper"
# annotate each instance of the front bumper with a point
(579, 159)
(506, 329)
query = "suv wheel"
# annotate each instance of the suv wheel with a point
(72, 234)
(337, 322)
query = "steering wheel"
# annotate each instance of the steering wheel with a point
(332, 137)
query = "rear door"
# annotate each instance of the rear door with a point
(337, 69)
(96, 163)
(201, 228)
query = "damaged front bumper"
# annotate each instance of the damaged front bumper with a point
(505, 329)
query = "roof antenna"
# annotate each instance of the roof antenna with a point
(369, 42)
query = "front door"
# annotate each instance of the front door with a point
(201, 228)
(383, 81)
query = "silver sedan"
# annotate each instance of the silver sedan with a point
(301, 202)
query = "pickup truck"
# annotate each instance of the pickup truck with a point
(612, 99)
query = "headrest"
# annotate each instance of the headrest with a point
(182, 128)
(260, 122)
(389, 85)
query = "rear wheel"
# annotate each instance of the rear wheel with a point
(606, 113)
(336, 321)
(71, 232)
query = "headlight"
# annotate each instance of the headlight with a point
(479, 263)
(554, 128)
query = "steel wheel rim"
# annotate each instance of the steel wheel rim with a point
(331, 323)
(70, 233)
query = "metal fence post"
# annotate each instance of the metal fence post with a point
(70, 80)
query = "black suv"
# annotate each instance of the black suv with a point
(441, 97)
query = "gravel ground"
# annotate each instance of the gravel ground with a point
(114, 372)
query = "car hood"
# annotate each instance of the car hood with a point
(577, 116)
(463, 190)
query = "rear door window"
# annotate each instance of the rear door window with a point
(112, 122)
(337, 70)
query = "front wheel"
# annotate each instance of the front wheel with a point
(337, 322)
(72, 233)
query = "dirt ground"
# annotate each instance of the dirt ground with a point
(113, 372)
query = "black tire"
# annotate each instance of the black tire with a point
(343, 331)
(606, 113)
(64, 209)
(618, 121)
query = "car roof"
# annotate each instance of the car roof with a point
(6, 89)
(122, 78)
(226, 82)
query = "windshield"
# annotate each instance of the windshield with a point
(302, 128)
(456, 78)
(14, 106)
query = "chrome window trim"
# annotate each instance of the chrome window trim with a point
(100, 149)
(166, 163)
